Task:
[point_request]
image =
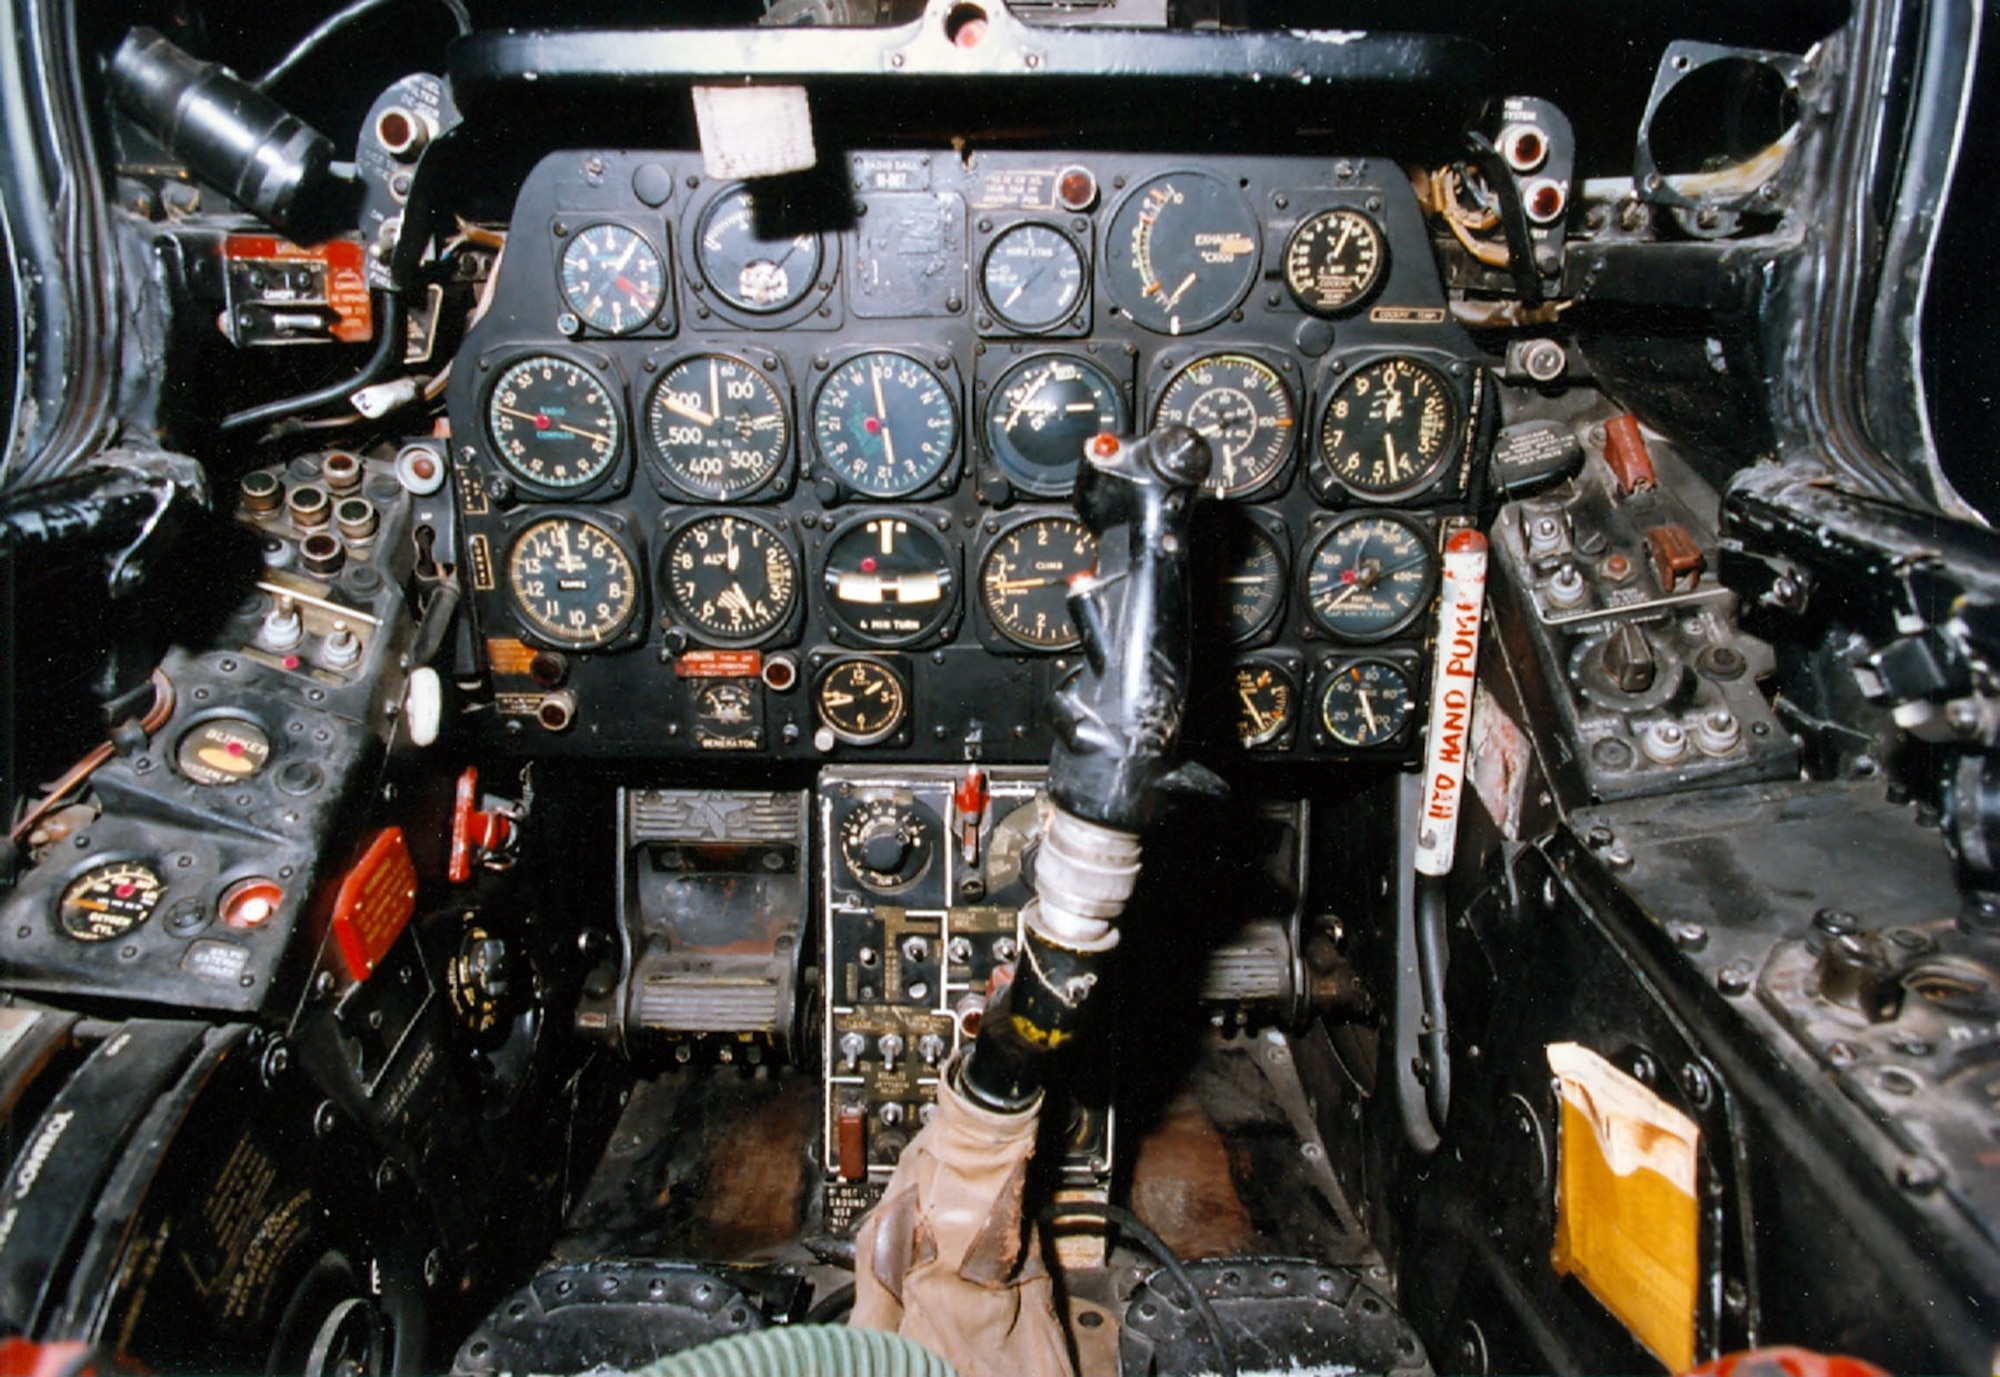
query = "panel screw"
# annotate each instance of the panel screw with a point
(1734, 978)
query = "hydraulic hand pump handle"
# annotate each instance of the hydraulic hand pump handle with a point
(1117, 720)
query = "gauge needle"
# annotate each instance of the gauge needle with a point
(1248, 578)
(1016, 585)
(1389, 448)
(1367, 709)
(625, 258)
(1179, 292)
(1257, 718)
(834, 698)
(735, 599)
(680, 408)
(714, 393)
(537, 422)
(882, 414)
(1027, 394)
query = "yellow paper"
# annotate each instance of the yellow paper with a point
(1627, 1225)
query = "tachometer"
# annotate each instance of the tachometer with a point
(1032, 277)
(731, 577)
(612, 278)
(553, 423)
(1389, 428)
(1243, 409)
(746, 269)
(885, 424)
(718, 427)
(890, 580)
(1042, 413)
(1370, 576)
(571, 582)
(1024, 580)
(1334, 260)
(1181, 252)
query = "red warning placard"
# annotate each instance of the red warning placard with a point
(375, 902)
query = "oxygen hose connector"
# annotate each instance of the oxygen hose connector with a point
(1118, 721)
(232, 135)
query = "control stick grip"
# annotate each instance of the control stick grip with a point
(1118, 719)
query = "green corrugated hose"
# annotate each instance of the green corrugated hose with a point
(804, 1350)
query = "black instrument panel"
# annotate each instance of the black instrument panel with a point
(714, 441)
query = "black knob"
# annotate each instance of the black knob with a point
(885, 852)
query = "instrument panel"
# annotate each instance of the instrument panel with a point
(785, 468)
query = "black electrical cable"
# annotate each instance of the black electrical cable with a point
(391, 321)
(339, 20)
(1052, 1218)
(833, 1307)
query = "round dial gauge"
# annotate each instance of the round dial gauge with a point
(223, 750)
(109, 900)
(571, 582)
(1334, 260)
(1024, 580)
(1181, 252)
(888, 842)
(751, 272)
(553, 423)
(1032, 277)
(862, 701)
(1243, 409)
(718, 426)
(731, 577)
(885, 424)
(1266, 700)
(1367, 703)
(612, 278)
(890, 579)
(1389, 427)
(1044, 410)
(1251, 581)
(1369, 576)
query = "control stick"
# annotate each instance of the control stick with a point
(944, 1258)
(1117, 721)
